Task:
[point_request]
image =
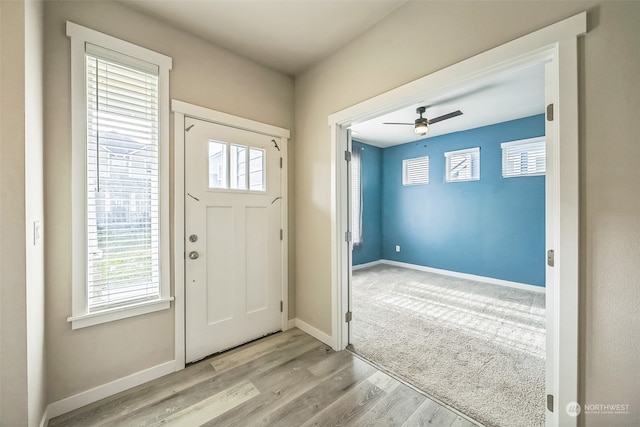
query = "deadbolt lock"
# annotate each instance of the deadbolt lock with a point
(193, 238)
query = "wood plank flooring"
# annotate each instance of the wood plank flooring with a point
(287, 379)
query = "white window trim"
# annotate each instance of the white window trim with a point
(517, 143)
(80, 316)
(447, 155)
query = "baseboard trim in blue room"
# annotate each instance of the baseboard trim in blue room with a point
(490, 280)
(366, 265)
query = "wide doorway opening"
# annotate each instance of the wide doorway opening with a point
(554, 47)
(448, 247)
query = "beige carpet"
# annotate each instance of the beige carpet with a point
(477, 347)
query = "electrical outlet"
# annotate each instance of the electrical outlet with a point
(397, 248)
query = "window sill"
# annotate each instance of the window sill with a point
(91, 319)
(520, 175)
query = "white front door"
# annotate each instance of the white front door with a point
(233, 256)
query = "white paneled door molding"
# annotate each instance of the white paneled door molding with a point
(274, 147)
(233, 267)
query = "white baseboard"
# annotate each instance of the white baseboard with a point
(366, 265)
(44, 421)
(105, 390)
(291, 323)
(314, 332)
(491, 280)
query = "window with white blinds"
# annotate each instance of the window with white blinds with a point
(525, 157)
(415, 171)
(120, 182)
(463, 165)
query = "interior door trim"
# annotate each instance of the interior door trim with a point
(182, 110)
(557, 44)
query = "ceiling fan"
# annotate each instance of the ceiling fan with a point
(421, 125)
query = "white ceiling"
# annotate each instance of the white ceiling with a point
(286, 35)
(506, 96)
(292, 35)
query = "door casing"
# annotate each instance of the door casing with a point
(557, 45)
(281, 136)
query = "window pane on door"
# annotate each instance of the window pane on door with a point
(217, 164)
(238, 167)
(256, 169)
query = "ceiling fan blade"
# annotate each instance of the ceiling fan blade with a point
(391, 123)
(445, 117)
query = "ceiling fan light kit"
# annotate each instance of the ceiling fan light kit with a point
(421, 125)
(421, 128)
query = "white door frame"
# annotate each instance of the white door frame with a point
(181, 110)
(558, 45)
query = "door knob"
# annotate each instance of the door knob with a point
(193, 255)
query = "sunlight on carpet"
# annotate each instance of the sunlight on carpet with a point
(527, 332)
(477, 347)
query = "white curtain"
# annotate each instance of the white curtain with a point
(356, 196)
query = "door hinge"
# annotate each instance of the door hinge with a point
(550, 258)
(348, 316)
(347, 156)
(281, 234)
(550, 112)
(281, 306)
(280, 162)
(347, 236)
(550, 402)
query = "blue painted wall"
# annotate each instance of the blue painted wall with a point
(493, 227)
(371, 172)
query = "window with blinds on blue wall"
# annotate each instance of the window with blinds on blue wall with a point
(463, 165)
(525, 157)
(415, 171)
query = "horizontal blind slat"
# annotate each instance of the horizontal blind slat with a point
(98, 68)
(121, 59)
(122, 282)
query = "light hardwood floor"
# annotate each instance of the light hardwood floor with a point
(287, 379)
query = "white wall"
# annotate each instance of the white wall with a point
(202, 74)
(385, 57)
(23, 383)
(13, 384)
